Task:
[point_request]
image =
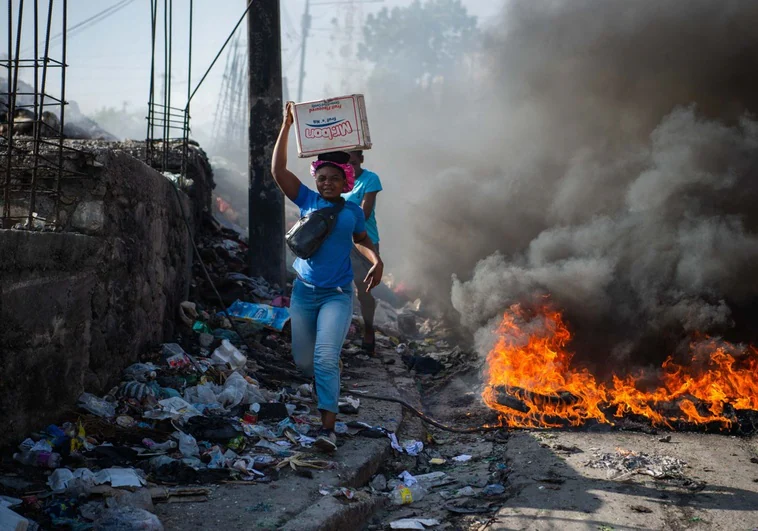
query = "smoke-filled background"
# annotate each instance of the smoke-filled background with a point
(601, 152)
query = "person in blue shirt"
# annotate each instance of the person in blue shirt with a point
(321, 307)
(364, 192)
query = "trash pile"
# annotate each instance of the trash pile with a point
(624, 464)
(178, 419)
(223, 403)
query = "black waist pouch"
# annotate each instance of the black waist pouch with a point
(307, 235)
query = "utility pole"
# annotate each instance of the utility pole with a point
(266, 202)
(306, 27)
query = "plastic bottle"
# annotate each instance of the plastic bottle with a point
(158, 447)
(40, 459)
(404, 495)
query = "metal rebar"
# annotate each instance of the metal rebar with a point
(151, 98)
(39, 92)
(7, 184)
(185, 129)
(166, 74)
(64, 43)
(12, 101)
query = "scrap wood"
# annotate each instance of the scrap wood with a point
(298, 460)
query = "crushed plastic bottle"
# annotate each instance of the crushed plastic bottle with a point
(405, 495)
(227, 354)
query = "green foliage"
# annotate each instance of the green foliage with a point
(420, 41)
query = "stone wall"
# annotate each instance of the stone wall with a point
(78, 306)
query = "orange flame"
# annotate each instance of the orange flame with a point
(531, 382)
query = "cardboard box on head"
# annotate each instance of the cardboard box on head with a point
(335, 124)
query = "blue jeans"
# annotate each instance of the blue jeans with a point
(320, 319)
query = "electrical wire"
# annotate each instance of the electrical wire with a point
(426, 418)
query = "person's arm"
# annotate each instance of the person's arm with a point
(365, 246)
(287, 181)
(368, 203)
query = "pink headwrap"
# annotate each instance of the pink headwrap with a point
(346, 168)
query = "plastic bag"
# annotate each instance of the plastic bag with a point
(188, 445)
(127, 519)
(96, 405)
(173, 408)
(235, 391)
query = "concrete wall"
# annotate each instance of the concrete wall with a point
(78, 306)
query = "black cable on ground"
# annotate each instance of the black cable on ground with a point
(427, 419)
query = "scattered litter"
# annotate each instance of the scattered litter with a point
(119, 477)
(465, 492)
(336, 492)
(262, 314)
(408, 479)
(641, 509)
(414, 523)
(493, 490)
(97, 406)
(405, 495)
(413, 448)
(432, 479)
(228, 354)
(437, 461)
(462, 458)
(173, 408)
(625, 463)
(349, 405)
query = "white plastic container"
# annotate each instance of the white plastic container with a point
(336, 124)
(227, 354)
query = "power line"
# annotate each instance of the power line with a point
(91, 21)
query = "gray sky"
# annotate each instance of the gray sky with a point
(109, 61)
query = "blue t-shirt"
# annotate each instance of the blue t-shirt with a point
(366, 183)
(330, 266)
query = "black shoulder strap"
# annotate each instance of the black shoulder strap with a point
(336, 208)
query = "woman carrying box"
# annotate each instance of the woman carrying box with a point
(322, 296)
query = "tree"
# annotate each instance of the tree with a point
(419, 42)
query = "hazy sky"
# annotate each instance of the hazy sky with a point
(109, 61)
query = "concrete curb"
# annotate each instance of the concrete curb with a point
(331, 514)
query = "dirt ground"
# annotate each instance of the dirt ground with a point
(549, 485)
